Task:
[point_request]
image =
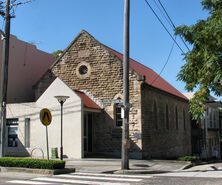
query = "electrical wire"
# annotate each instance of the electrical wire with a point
(15, 5)
(163, 13)
(168, 58)
(169, 18)
(31, 106)
(21, 3)
(161, 22)
(2, 6)
(3, 23)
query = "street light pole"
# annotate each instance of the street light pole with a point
(125, 131)
(61, 100)
(61, 148)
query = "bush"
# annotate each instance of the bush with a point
(189, 158)
(31, 163)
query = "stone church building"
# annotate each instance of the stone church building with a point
(159, 118)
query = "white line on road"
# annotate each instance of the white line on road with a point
(27, 182)
(206, 174)
(100, 178)
(77, 181)
(112, 175)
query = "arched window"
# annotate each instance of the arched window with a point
(117, 110)
(211, 117)
(155, 114)
(167, 118)
(176, 118)
(214, 125)
(184, 119)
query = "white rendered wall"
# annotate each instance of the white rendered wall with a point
(72, 121)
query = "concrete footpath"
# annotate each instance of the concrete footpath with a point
(110, 166)
(206, 167)
(104, 165)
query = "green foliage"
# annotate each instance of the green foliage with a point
(57, 53)
(189, 158)
(31, 163)
(212, 5)
(203, 67)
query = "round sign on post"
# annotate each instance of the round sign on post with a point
(45, 117)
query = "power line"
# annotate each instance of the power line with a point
(20, 3)
(163, 13)
(3, 23)
(2, 13)
(169, 18)
(164, 26)
(168, 58)
(164, 9)
(13, 8)
(14, 5)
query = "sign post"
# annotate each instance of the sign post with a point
(46, 119)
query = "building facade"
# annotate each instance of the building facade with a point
(159, 119)
(26, 65)
(205, 133)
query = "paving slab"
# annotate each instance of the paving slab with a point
(103, 165)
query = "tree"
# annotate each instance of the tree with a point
(57, 53)
(202, 71)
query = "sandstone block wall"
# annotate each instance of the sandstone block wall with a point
(103, 82)
(159, 139)
(149, 135)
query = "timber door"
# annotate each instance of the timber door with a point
(87, 133)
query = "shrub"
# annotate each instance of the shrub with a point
(189, 158)
(31, 163)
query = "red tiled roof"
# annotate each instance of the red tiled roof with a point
(88, 102)
(150, 76)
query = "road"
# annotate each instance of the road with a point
(182, 181)
(175, 178)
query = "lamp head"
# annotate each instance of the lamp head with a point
(61, 99)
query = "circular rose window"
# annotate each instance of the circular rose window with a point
(83, 70)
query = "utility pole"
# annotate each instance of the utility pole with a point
(126, 105)
(4, 78)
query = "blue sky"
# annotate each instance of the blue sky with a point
(53, 24)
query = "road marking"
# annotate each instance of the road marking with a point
(100, 178)
(77, 181)
(84, 178)
(27, 182)
(112, 175)
(206, 174)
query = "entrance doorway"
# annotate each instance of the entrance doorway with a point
(87, 133)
